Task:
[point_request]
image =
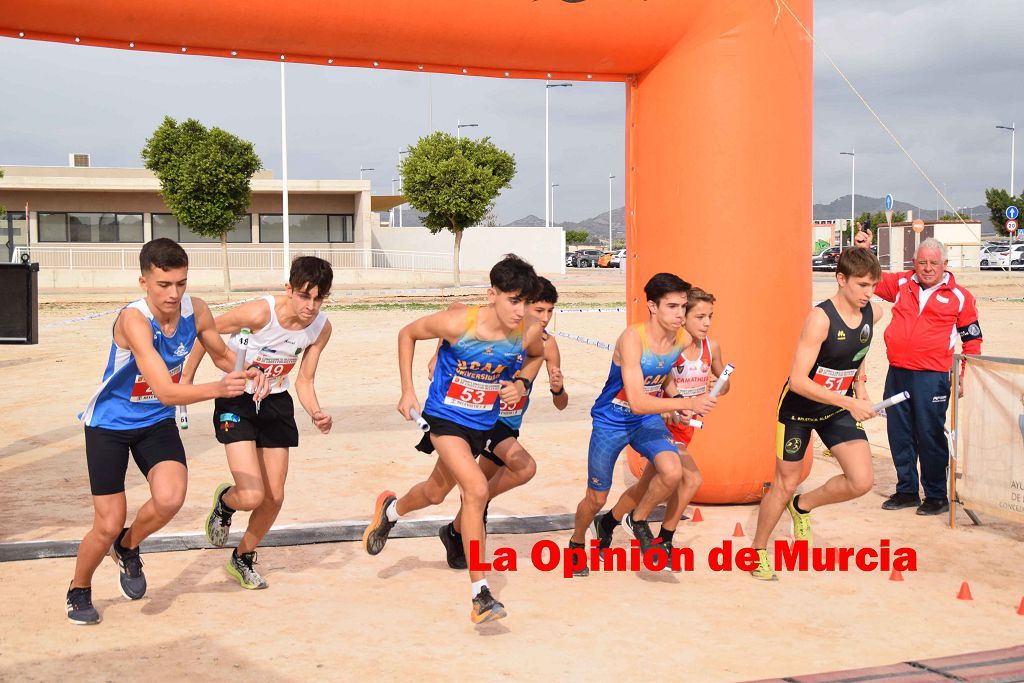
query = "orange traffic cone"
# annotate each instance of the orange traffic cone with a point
(738, 531)
(896, 575)
(1020, 610)
(965, 592)
(697, 517)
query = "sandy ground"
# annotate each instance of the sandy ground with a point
(335, 613)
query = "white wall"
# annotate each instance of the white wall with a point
(482, 247)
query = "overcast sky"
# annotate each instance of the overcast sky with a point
(940, 73)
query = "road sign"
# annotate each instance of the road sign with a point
(888, 217)
(1012, 212)
(888, 202)
(918, 225)
(1011, 225)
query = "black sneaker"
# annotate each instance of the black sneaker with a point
(933, 506)
(218, 522)
(641, 531)
(486, 608)
(129, 563)
(668, 565)
(80, 609)
(898, 501)
(376, 533)
(585, 570)
(595, 530)
(452, 541)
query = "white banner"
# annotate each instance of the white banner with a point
(991, 438)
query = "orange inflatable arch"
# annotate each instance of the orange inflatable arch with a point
(718, 137)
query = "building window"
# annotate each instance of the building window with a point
(13, 224)
(166, 225)
(90, 227)
(318, 228)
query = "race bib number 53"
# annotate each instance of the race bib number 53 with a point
(838, 381)
(471, 395)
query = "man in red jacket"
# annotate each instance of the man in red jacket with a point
(930, 310)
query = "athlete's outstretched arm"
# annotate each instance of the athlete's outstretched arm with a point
(630, 351)
(718, 366)
(441, 325)
(553, 363)
(812, 336)
(133, 331)
(220, 354)
(253, 314)
(307, 375)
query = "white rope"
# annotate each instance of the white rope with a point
(590, 310)
(870, 109)
(93, 316)
(585, 340)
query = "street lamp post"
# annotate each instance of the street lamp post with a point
(364, 168)
(547, 156)
(391, 217)
(551, 200)
(459, 125)
(401, 153)
(853, 188)
(610, 176)
(1013, 132)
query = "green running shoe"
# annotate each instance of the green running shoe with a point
(801, 524)
(764, 570)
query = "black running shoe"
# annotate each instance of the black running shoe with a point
(80, 609)
(129, 563)
(596, 531)
(641, 531)
(376, 533)
(668, 565)
(486, 608)
(585, 570)
(452, 541)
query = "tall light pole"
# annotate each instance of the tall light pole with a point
(551, 200)
(853, 188)
(401, 153)
(285, 221)
(391, 217)
(1013, 133)
(610, 176)
(548, 85)
(364, 168)
(459, 125)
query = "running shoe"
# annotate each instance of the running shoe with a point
(80, 609)
(218, 522)
(668, 566)
(584, 570)
(595, 531)
(452, 541)
(486, 608)
(764, 570)
(641, 531)
(801, 524)
(131, 579)
(241, 567)
(376, 533)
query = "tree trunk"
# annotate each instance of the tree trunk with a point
(224, 256)
(455, 263)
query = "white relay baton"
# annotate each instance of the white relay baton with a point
(243, 347)
(418, 419)
(695, 423)
(722, 379)
(183, 417)
(891, 401)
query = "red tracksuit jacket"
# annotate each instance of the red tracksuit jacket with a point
(919, 339)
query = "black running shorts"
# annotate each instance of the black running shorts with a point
(236, 419)
(792, 436)
(106, 453)
(498, 433)
(476, 438)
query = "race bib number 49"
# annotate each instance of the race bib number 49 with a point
(143, 393)
(472, 395)
(838, 381)
(276, 367)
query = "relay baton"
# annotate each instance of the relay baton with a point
(183, 417)
(722, 379)
(243, 346)
(418, 419)
(696, 424)
(891, 401)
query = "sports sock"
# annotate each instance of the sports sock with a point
(608, 523)
(224, 506)
(392, 511)
(478, 586)
(666, 534)
(796, 505)
(452, 532)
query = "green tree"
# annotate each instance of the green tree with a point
(455, 182)
(576, 236)
(997, 200)
(205, 177)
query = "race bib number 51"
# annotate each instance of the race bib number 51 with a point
(471, 395)
(838, 381)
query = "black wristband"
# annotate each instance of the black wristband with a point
(526, 383)
(559, 392)
(258, 367)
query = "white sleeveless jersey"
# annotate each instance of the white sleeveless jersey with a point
(691, 376)
(276, 349)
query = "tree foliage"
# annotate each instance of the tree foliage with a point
(576, 236)
(454, 182)
(997, 200)
(205, 176)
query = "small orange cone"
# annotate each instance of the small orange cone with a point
(1020, 610)
(697, 517)
(965, 592)
(738, 531)
(896, 575)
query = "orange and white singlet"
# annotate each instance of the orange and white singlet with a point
(691, 378)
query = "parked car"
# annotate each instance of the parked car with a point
(990, 255)
(585, 258)
(568, 258)
(618, 259)
(826, 260)
(1012, 257)
(606, 259)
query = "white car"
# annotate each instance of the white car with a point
(617, 259)
(1012, 257)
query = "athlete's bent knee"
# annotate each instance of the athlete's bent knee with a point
(167, 503)
(596, 499)
(248, 499)
(861, 484)
(691, 481)
(108, 528)
(275, 500)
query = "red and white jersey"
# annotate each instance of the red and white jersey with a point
(276, 349)
(691, 376)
